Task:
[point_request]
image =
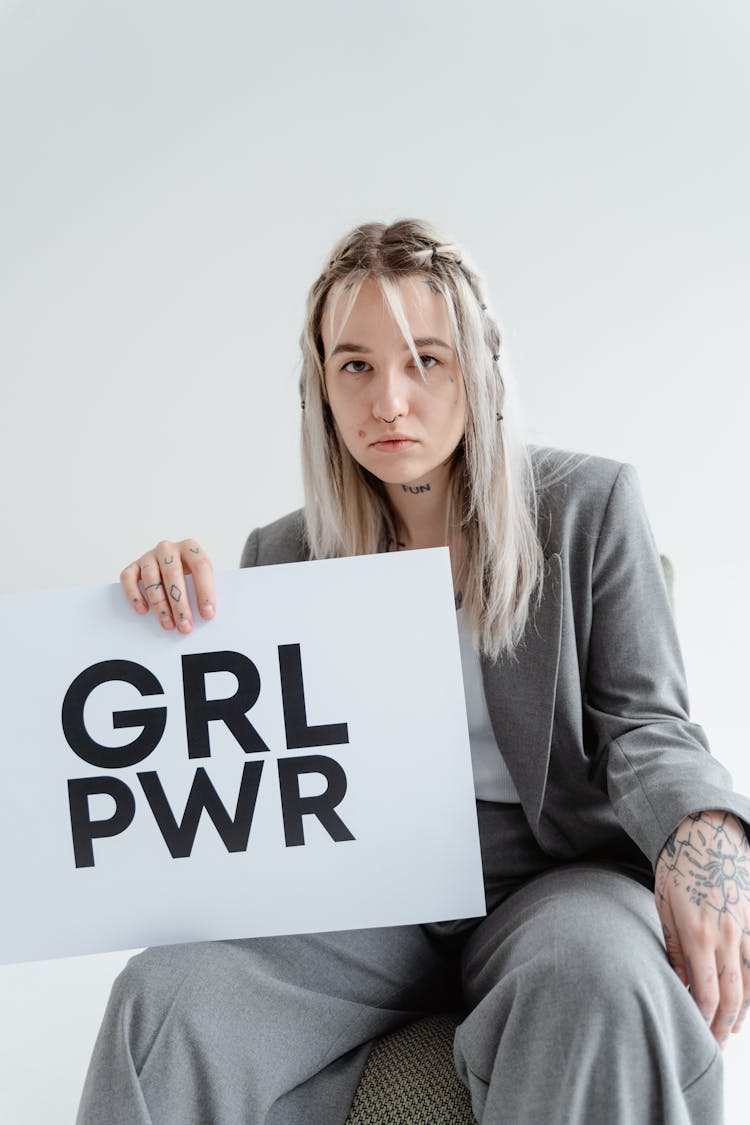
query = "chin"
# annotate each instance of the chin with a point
(393, 476)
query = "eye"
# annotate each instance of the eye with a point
(429, 360)
(361, 362)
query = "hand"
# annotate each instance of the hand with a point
(703, 899)
(161, 573)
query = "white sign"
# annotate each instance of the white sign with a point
(299, 764)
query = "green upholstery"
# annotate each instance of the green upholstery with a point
(409, 1078)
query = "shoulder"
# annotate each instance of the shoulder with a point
(578, 492)
(282, 541)
(573, 472)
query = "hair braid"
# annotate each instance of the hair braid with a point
(493, 498)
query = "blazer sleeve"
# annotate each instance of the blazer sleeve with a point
(659, 768)
(249, 556)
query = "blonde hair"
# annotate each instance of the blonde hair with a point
(493, 498)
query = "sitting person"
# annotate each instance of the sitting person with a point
(614, 960)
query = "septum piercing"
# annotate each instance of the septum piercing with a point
(390, 421)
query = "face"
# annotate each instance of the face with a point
(400, 424)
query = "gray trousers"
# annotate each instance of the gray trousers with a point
(575, 1015)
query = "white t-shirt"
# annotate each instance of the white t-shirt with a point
(492, 782)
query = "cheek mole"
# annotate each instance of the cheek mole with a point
(361, 433)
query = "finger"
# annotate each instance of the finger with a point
(197, 562)
(153, 589)
(745, 968)
(730, 995)
(672, 941)
(170, 588)
(704, 981)
(129, 582)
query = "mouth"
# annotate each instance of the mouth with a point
(393, 443)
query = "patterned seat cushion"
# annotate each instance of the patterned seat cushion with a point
(409, 1078)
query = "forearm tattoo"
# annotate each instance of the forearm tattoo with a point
(712, 866)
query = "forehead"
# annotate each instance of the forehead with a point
(374, 315)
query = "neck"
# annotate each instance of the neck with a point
(422, 509)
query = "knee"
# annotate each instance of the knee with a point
(580, 946)
(592, 967)
(153, 983)
(605, 963)
(587, 964)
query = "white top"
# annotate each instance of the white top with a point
(492, 782)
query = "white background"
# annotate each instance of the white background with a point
(173, 177)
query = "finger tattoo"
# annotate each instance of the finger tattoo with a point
(154, 586)
(194, 550)
(168, 560)
(175, 592)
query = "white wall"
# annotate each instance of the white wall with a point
(173, 177)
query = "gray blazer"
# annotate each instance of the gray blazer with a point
(591, 715)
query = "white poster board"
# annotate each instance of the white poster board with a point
(339, 777)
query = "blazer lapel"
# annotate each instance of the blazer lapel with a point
(520, 693)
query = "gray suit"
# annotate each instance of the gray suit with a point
(573, 1012)
(592, 714)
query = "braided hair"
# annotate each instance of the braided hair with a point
(492, 497)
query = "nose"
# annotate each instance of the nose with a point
(390, 395)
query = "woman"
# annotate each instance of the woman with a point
(590, 779)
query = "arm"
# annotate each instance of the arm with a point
(658, 765)
(660, 773)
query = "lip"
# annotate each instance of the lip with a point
(394, 443)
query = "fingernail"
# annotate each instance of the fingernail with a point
(208, 610)
(185, 626)
(166, 622)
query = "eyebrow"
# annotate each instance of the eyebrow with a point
(419, 342)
